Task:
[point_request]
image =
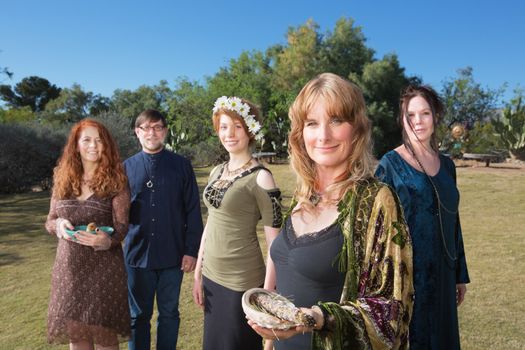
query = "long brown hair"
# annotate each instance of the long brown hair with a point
(436, 106)
(344, 100)
(109, 177)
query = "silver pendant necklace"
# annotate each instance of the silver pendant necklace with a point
(149, 183)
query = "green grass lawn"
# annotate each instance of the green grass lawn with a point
(493, 219)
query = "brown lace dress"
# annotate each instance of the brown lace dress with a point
(89, 297)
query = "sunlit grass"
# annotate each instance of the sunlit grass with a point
(493, 219)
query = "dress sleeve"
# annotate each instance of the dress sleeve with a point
(52, 217)
(269, 203)
(382, 172)
(391, 174)
(378, 317)
(461, 266)
(120, 208)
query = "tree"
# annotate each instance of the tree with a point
(190, 125)
(344, 50)
(381, 83)
(482, 138)
(5, 71)
(32, 91)
(131, 103)
(290, 67)
(99, 105)
(299, 61)
(74, 103)
(189, 115)
(249, 77)
(466, 101)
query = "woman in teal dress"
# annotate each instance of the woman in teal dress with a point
(425, 182)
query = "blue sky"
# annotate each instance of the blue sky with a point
(111, 44)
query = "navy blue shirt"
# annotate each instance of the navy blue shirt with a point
(165, 218)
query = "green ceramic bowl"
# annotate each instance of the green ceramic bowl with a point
(109, 230)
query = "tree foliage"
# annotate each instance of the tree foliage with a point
(249, 77)
(299, 61)
(74, 104)
(466, 101)
(271, 79)
(482, 138)
(6, 72)
(28, 154)
(189, 115)
(343, 51)
(120, 129)
(17, 115)
(32, 91)
(381, 82)
(130, 103)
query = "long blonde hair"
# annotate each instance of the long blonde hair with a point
(344, 100)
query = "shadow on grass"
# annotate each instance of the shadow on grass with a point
(22, 219)
(9, 258)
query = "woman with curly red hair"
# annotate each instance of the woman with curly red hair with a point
(88, 303)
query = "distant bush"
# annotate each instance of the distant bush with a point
(121, 128)
(28, 154)
(482, 138)
(204, 153)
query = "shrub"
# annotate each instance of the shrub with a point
(204, 153)
(482, 138)
(28, 154)
(121, 128)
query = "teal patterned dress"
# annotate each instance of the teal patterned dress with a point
(436, 270)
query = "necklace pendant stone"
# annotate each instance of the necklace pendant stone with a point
(149, 184)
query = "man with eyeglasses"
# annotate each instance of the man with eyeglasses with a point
(165, 229)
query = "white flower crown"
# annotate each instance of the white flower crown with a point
(243, 109)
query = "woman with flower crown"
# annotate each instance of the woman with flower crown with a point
(240, 192)
(344, 254)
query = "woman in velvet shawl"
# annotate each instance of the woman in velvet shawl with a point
(344, 255)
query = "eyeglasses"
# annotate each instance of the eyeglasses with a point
(155, 128)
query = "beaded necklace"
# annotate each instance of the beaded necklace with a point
(234, 172)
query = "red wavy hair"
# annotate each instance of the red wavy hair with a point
(109, 177)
